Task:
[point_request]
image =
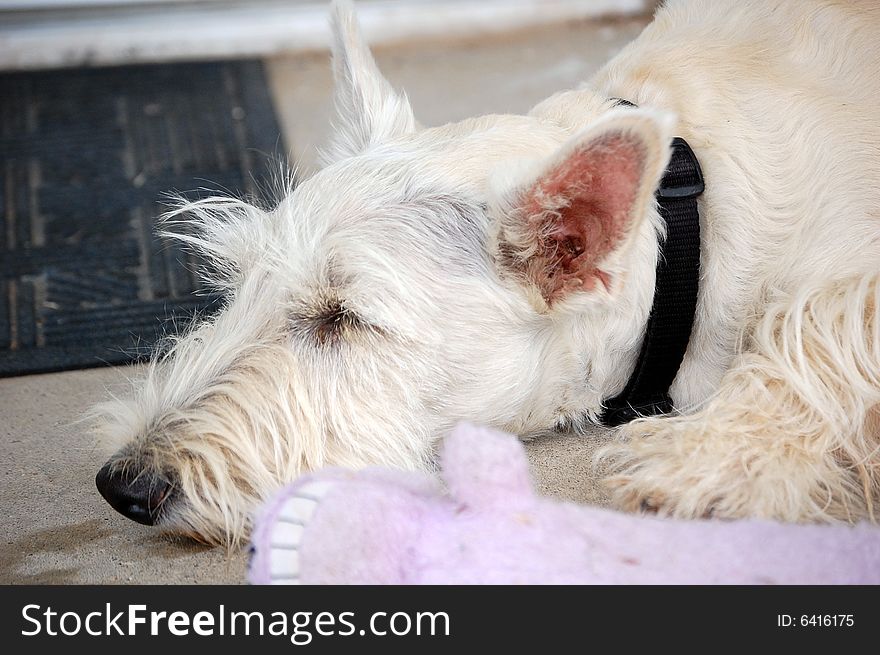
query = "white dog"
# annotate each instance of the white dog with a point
(503, 269)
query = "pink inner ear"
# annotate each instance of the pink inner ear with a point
(589, 197)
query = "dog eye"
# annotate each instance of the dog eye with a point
(332, 324)
(326, 323)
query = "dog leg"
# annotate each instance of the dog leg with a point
(792, 433)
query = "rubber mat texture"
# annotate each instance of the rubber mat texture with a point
(87, 160)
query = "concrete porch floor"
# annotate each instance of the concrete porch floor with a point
(56, 527)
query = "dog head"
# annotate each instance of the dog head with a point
(472, 271)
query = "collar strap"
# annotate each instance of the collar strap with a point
(675, 295)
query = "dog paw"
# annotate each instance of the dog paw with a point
(668, 472)
(283, 536)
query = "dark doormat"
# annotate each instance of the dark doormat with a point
(87, 157)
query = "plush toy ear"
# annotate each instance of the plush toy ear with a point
(565, 228)
(485, 468)
(367, 107)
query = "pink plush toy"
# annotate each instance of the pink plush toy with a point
(380, 526)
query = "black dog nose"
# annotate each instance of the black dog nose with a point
(138, 495)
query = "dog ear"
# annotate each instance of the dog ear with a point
(367, 107)
(565, 225)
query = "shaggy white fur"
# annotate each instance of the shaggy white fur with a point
(501, 270)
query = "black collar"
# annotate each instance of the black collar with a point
(675, 295)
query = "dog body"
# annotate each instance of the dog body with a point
(502, 269)
(777, 100)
